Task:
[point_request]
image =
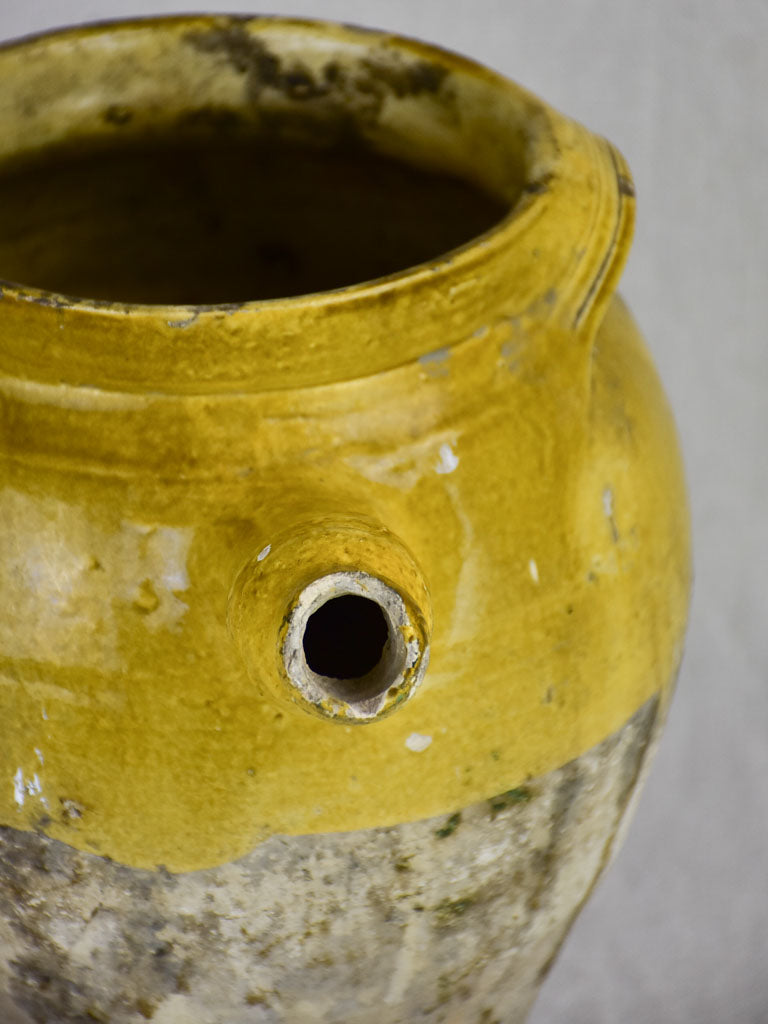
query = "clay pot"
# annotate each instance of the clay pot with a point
(344, 539)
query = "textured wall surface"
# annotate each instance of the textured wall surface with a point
(678, 930)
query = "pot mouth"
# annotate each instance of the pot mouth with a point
(282, 105)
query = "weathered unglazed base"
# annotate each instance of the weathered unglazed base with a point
(453, 919)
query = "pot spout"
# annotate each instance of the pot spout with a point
(334, 618)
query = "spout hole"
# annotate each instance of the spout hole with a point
(350, 648)
(345, 637)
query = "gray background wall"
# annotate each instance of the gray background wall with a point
(678, 930)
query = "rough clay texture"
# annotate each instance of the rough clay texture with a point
(453, 919)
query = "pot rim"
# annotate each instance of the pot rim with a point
(551, 255)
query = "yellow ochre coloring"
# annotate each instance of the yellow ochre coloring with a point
(489, 414)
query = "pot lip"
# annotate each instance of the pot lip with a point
(179, 314)
(329, 297)
(464, 274)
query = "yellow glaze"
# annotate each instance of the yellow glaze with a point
(495, 411)
(309, 549)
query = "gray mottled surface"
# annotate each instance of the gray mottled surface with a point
(452, 919)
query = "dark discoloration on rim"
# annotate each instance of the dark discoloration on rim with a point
(250, 57)
(538, 186)
(404, 78)
(355, 92)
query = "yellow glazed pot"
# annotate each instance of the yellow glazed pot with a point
(345, 554)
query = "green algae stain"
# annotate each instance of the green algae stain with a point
(448, 912)
(449, 827)
(519, 795)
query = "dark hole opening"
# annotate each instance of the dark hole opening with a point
(345, 637)
(217, 219)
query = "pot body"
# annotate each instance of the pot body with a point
(205, 818)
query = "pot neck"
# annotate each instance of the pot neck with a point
(554, 258)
